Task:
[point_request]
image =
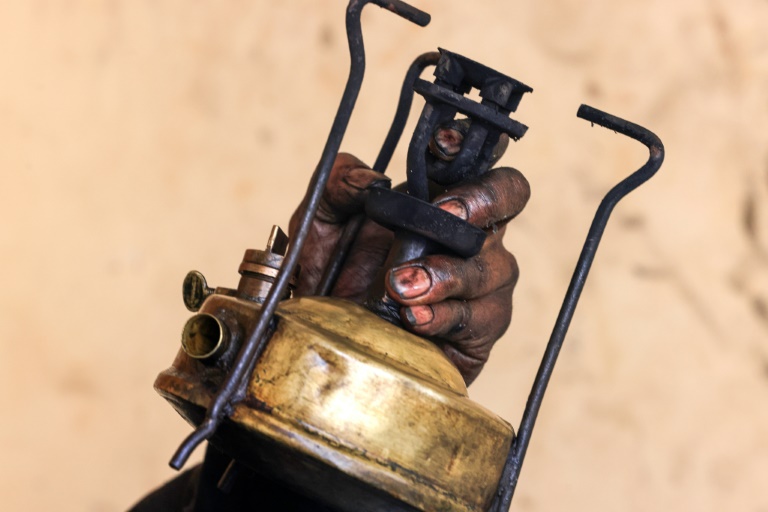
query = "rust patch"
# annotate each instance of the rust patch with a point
(255, 403)
(454, 457)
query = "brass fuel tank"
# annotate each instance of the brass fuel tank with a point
(342, 405)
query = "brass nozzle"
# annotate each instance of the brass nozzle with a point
(204, 336)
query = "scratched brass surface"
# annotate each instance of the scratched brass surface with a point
(339, 385)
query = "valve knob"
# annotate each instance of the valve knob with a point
(195, 290)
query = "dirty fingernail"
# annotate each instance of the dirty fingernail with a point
(361, 178)
(446, 143)
(419, 315)
(455, 207)
(410, 282)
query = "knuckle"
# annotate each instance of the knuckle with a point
(461, 317)
(503, 315)
(482, 277)
(505, 319)
(513, 269)
(485, 203)
(468, 365)
(448, 275)
(512, 191)
(511, 179)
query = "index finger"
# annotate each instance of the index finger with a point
(492, 199)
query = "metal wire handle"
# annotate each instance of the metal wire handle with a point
(519, 446)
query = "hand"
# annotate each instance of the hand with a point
(463, 306)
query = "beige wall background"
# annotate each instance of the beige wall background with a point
(139, 140)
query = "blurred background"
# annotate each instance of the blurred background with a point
(139, 140)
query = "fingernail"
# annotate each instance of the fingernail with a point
(410, 282)
(419, 315)
(456, 207)
(362, 178)
(446, 143)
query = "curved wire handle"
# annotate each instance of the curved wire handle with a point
(231, 389)
(519, 446)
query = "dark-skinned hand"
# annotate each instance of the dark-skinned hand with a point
(463, 306)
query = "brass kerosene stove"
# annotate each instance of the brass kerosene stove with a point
(333, 398)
